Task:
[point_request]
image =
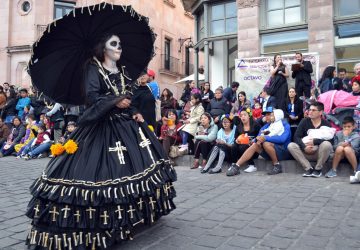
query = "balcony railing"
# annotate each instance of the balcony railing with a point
(170, 64)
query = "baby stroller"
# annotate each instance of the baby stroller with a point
(338, 105)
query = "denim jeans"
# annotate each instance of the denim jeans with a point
(39, 149)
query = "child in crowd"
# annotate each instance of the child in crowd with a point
(38, 146)
(30, 133)
(25, 113)
(22, 102)
(225, 140)
(71, 126)
(346, 146)
(276, 126)
(257, 111)
(191, 123)
(169, 130)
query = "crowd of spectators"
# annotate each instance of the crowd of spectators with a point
(281, 123)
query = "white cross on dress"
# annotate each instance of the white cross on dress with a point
(119, 149)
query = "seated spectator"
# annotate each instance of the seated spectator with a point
(240, 104)
(9, 111)
(343, 81)
(3, 99)
(355, 81)
(268, 101)
(294, 110)
(17, 132)
(186, 94)
(346, 146)
(218, 106)
(326, 82)
(204, 139)
(30, 133)
(224, 141)
(25, 113)
(168, 102)
(22, 102)
(269, 147)
(39, 146)
(229, 93)
(207, 95)
(71, 126)
(257, 111)
(246, 130)
(317, 150)
(191, 123)
(4, 132)
(169, 131)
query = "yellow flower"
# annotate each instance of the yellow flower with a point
(151, 128)
(57, 149)
(248, 110)
(70, 146)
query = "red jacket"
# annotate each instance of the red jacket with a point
(174, 134)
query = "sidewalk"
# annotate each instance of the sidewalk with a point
(250, 211)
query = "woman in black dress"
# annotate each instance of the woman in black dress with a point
(118, 177)
(278, 85)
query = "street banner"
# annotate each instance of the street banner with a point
(254, 73)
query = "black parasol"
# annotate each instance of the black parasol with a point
(57, 64)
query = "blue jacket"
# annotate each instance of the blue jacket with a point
(155, 90)
(22, 102)
(283, 139)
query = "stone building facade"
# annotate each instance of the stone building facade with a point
(265, 27)
(23, 21)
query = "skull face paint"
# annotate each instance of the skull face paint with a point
(113, 48)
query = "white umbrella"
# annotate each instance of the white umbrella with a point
(201, 77)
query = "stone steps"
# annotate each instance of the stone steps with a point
(289, 166)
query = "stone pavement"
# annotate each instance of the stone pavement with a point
(250, 211)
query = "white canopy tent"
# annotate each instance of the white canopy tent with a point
(201, 77)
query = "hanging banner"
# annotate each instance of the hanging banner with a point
(254, 73)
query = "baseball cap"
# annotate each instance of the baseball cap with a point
(268, 110)
(150, 72)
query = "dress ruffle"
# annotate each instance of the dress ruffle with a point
(67, 213)
(93, 198)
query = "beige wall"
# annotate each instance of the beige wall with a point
(20, 31)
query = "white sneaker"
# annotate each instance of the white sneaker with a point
(357, 176)
(250, 169)
(183, 148)
(353, 179)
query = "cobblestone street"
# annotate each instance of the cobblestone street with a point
(250, 211)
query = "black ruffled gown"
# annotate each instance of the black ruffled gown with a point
(118, 177)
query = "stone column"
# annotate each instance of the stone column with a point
(206, 43)
(248, 28)
(321, 31)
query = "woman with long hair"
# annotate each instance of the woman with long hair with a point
(294, 110)
(168, 102)
(326, 82)
(278, 84)
(207, 95)
(246, 130)
(241, 104)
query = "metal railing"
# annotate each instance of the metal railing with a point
(169, 63)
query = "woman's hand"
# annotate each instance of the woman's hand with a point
(124, 103)
(138, 117)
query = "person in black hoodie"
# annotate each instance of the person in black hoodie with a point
(302, 76)
(143, 101)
